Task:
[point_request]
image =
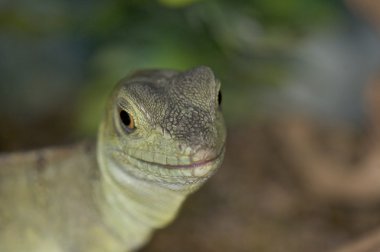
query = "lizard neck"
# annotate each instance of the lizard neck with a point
(132, 207)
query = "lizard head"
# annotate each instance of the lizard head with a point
(165, 127)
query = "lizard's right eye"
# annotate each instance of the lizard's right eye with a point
(220, 98)
(127, 120)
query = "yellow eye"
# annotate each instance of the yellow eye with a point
(127, 120)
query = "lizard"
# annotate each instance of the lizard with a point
(162, 136)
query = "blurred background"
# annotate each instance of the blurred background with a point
(301, 99)
(60, 59)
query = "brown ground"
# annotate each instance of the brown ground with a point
(258, 202)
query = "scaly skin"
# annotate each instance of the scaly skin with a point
(112, 197)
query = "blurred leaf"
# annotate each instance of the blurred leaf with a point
(177, 3)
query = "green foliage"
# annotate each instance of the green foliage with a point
(296, 13)
(247, 43)
(177, 3)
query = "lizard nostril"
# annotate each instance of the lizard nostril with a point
(181, 147)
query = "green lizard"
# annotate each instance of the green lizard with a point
(161, 138)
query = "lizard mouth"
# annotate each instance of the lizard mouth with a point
(206, 162)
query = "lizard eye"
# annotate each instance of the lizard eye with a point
(219, 98)
(127, 120)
